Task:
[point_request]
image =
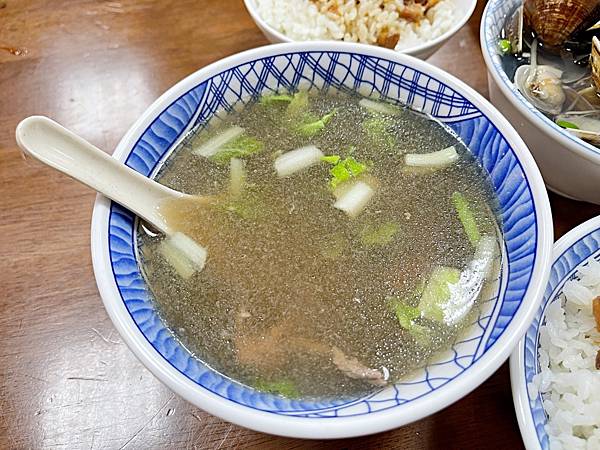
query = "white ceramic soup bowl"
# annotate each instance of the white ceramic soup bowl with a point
(463, 9)
(486, 343)
(569, 166)
(571, 252)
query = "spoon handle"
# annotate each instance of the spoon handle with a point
(66, 152)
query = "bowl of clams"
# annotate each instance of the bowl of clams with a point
(543, 61)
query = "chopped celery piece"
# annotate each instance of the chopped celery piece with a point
(298, 104)
(379, 107)
(334, 247)
(373, 235)
(355, 199)
(464, 294)
(566, 124)
(184, 254)
(340, 173)
(421, 334)
(240, 147)
(466, 217)
(376, 128)
(406, 314)
(275, 98)
(237, 176)
(504, 46)
(354, 166)
(441, 158)
(312, 128)
(344, 170)
(245, 209)
(282, 387)
(436, 293)
(247, 206)
(331, 159)
(176, 260)
(294, 161)
(214, 144)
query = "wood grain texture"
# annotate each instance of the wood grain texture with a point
(66, 378)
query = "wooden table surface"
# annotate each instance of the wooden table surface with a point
(66, 378)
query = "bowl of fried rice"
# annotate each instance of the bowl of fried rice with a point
(414, 27)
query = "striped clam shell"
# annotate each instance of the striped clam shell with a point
(553, 21)
(595, 63)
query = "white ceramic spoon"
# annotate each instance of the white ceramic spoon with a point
(66, 152)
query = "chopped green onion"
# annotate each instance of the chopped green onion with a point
(298, 104)
(275, 98)
(344, 170)
(406, 314)
(436, 293)
(340, 173)
(377, 129)
(284, 388)
(213, 145)
(421, 334)
(354, 166)
(313, 128)
(241, 147)
(331, 159)
(566, 124)
(372, 235)
(467, 218)
(504, 46)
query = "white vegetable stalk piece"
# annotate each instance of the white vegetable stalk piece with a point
(464, 293)
(354, 200)
(378, 107)
(213, 145)
(237, 175)
(184, 254)
(441, 158)
(297, 160)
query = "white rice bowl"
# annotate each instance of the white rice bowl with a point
(568, 380)
(301, 20)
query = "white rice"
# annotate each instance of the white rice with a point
(354, 21)
(569, 381)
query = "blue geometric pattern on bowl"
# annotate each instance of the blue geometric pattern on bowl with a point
(565, 268)
(367, 75)
(493, 20)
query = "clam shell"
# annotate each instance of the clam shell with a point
(595, 62)
(547, 79)
(554, 21)
(593, 137)
(588, 123)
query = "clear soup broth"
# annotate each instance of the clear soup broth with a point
(298, 295)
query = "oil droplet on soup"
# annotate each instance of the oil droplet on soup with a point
(331, 271)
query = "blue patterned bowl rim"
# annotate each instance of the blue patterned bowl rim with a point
(493, 16)
(570, 252)
(525, 212)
